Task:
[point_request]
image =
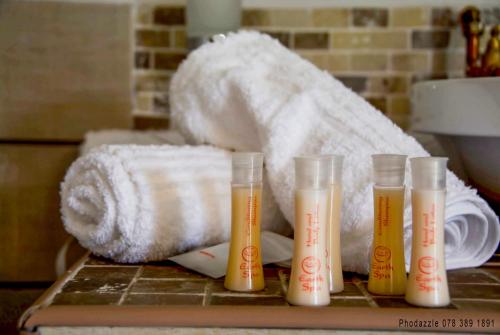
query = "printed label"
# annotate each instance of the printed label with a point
(312, 229)
(249, 266)
(383, 213)
(427, 277)
(310, 278)
(429, 227)
(382, 267)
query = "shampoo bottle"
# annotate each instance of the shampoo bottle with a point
(244, 267)
(334, 264)
(309, 276)
(387, 268)
(427, 282)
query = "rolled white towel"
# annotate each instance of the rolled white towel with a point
(136, 203)
(94, 139)
(248, 92)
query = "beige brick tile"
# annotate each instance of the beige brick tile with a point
(399, 105)
(369, 40)
(291, 18)
(144, 14)
(410, 17)
(180, 39)
(311, 40)
(410, 62)
(144, 102)
(152, 38)
(255, 18)
(329, 62)
(387, 84)
(379, 103)
(443, 62)
(401, 120)
(369, 62)
(326, 17)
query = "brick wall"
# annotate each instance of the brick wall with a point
(378, 52)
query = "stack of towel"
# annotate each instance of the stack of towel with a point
(248, 92)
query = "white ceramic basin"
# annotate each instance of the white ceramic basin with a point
(464, 114)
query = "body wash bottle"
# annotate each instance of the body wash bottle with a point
(309, 276)
(387, 268)
(244, 267)
(334, 264)
(427, 283)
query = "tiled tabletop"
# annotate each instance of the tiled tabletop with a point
(96, 282)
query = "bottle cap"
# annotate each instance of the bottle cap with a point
(428, 173)
(247, 167)
(312, 172)
(389, 170)
(336, 162)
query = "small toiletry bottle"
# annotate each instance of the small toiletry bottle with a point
(387, 268)
(427, 282)
(244, 266)
(334, 264)
(309, 276)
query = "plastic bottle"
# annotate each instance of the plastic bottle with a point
(244, 267)
(427, 282)
(387, 268)
(309, 276)
(334, 264)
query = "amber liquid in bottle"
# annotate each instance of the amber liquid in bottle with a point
(387, 267)
(244, 271)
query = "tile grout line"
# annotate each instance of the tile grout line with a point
(207, 297)
(490, 276)
(129, 287)
(359, 284)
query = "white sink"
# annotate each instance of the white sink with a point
(464, 115)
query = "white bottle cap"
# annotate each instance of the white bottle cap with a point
(247, 167)
(336, 162)
(312, 172)
(389, 170)
(428, 173)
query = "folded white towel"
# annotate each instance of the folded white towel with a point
(94, 139)
(136, 203)
(247, 92)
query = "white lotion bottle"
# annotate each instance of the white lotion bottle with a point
(333, 254)
(427, 282)
(309, 276)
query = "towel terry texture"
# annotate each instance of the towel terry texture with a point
(136, 203)
(248, 92)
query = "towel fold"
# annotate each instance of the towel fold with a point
(94, 139)
(248, 92)
(134, 203)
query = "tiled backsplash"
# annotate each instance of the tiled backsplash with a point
(378, 52)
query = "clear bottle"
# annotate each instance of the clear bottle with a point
(334, 264)
(387, 267)
(309, 276)
(244, 267)
(427, 282)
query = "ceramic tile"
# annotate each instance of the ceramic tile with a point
(169, 16)
(163, 299)
(174, 271)
(86, 299)
(469, 276)
(273, 287)
(475, 291)
(168, 286)
(370, 17)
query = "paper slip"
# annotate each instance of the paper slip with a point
(212, 261)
